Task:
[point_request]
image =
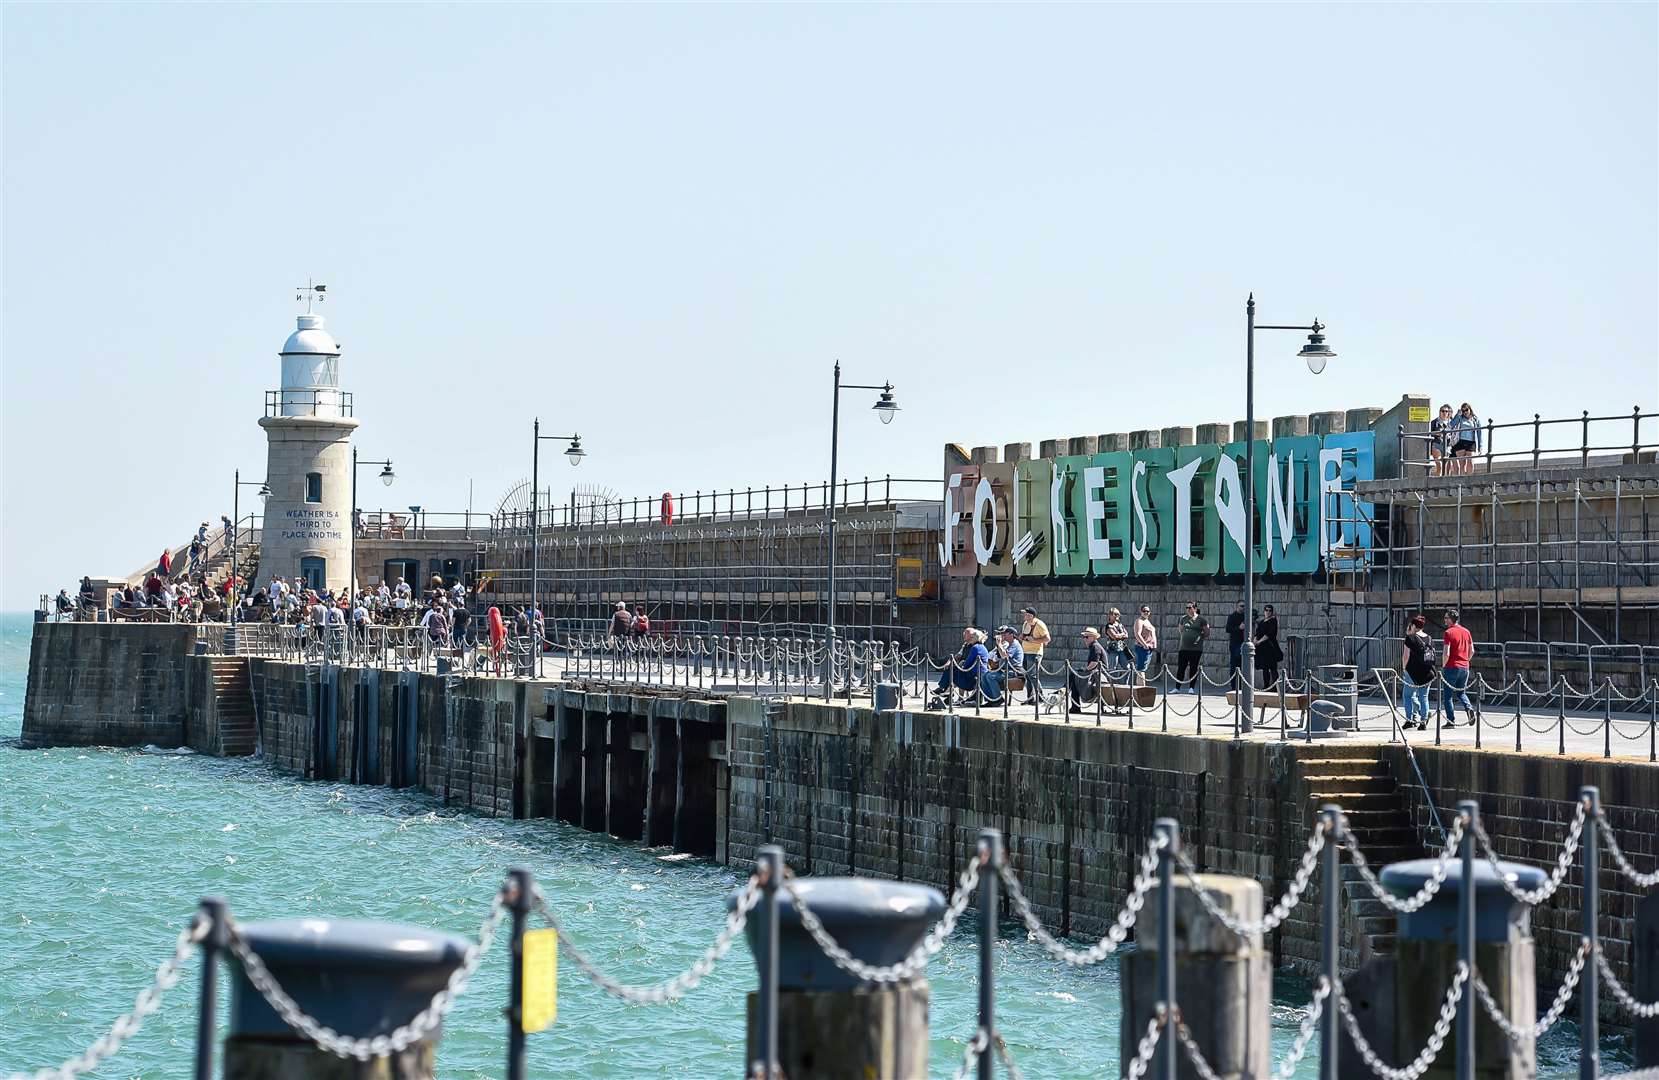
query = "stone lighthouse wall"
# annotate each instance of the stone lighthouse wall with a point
(297, 528)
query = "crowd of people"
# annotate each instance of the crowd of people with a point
(987, 666)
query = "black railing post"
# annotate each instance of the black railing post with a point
(990, 850)
(521, 887)
(1330, 934)
(1537, 431)
(1466, 941)
(1584, 446)
(1170, 831)
(770, 865)
(1589, 1048)
(214, 911)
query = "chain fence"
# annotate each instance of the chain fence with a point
(983, 873)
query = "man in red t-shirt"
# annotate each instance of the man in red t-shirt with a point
(1454, 674)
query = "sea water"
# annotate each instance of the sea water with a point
(104, 854)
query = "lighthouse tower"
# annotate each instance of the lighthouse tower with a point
(308, 424)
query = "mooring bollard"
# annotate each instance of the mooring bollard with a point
(829, 1023)
(1426, 956)
(1226, 981)
(359, 978)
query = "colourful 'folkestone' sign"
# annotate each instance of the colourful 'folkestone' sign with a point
(1174, 510)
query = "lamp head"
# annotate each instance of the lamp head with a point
(264, 492)
(386, 475)
(1316, 352)
(886, 407)
(575, 453)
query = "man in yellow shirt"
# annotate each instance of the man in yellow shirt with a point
(1033, 636)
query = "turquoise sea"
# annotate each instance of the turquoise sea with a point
(106, 852)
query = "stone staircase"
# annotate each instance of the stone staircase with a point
(233, 705)
(1365, 789)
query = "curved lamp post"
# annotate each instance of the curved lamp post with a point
(574, 454)
(386, 477)
(1316, 353)
(235, 527)
(886, 408)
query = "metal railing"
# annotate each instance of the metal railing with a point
(986, 878)
(320, 401)
(1563, 440)
(732, 504)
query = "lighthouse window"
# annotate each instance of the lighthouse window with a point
(314, 487)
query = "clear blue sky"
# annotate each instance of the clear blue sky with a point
(660, 225)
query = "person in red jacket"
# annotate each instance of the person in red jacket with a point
(1454, 672)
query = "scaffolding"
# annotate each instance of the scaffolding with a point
(1565, 556)
(742, 561)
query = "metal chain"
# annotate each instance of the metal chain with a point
(343, 1046)
(1006, 1058)
(1646, 1010)
(1646, 881)
(1281, 909)
(1304, 1036)
(1148, 1045)
(1194, 1055)
(1437, 1038)
(1430, 887)
(912, 965)
(670, 989)
(125, 1027)
(970, 1056)
(1120, 928)
(1534, 897)
(1523, 1032)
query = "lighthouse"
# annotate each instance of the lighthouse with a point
(308, 426)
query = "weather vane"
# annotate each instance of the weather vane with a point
(311, 293)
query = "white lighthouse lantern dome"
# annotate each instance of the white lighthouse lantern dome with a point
(311, 370)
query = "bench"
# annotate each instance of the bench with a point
(1267, 699)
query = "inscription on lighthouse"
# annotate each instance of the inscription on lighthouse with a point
(306, 524)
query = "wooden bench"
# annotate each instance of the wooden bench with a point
(1267, 699)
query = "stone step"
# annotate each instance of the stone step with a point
(1342, 767)
(1352, 782)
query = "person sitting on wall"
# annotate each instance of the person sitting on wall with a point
(1084, 686)
(1007, 662)
(964, 669)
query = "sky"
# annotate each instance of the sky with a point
(661, 226)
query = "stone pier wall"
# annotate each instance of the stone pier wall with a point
(108, 684)
(903, 796)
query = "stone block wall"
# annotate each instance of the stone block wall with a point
(465, 735)
(107, 684)
(903, 796)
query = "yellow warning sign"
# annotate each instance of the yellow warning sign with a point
(540, 1006)
(1418, 414)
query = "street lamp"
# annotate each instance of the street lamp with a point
(1316, 353)
(886, 408)
(235, 525)
(574, 454)
(386, 477)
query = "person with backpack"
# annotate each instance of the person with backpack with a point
(1416, 661)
